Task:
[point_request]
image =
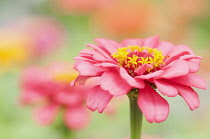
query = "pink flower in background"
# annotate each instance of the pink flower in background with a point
(142, 65)
(45, 34)
(49, 89)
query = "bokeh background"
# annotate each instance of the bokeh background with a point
(40, 32)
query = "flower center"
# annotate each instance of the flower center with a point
(133, 57)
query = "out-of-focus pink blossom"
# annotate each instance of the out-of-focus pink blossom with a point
(49, 89)
(45, 33)
(137, 67)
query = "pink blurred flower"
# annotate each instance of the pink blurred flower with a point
(142, 65)
(49, 88)
(45, 34)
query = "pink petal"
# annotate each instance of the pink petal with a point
(142, 69)
(108, 65)
(47, 114)
(132, 42)
(179, 49)
(114, 83)
(80, 80)
(98, 99)
(194, 65)
(155, 74)
(110, 45)
(136, 83)
(83, 58)
(153, 106)
(189, 95)
(178, 68)
(92, 56)
(165, 88)
(165, 47)
(99, 49)
(87, 51)
(88, 69)
(192, 80)
(194, 62)
(187, 57)
(76, 117)
(99, 57)
(176, 57)
(151, 42)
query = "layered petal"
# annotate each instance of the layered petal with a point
(112, 81)
(194, 64)
(178, 68)
(166, 88)
(155, 74)
(192, 80)
(80, 80)
(98, 99)
(179, 49)
(137, 83)
(99, 49)
(109, 45)
(154, 107)
(189, 95)
(88, 69)
(176, 57)
(165, 47)
(142, 69)
(151, 42)
(132, 42)
(99, 57)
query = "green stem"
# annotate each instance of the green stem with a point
(135, 118)
(65, 132)
(62, 129)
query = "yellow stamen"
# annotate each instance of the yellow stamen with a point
(133, 57)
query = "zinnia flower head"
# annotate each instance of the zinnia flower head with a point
(137, 67)
(49, 89)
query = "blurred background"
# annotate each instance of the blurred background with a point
(41, 32)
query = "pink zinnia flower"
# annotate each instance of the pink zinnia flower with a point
(143, 65)
(46, 34)
(49, 88)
